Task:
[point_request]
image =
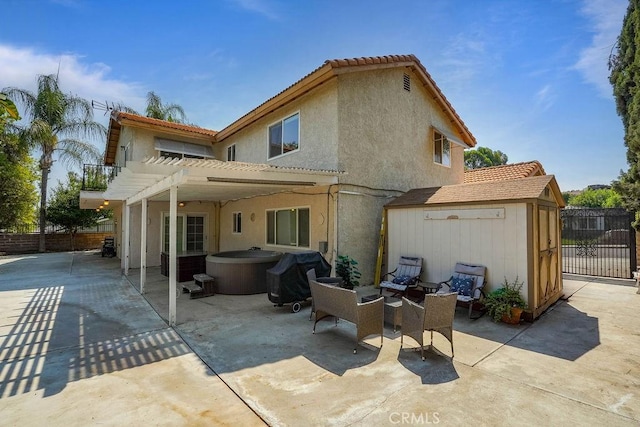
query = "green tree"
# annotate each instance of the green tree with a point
(18, 176)
(601, 198)
(169, 112)
(624, 65)
(64, 207)
(483, 157)
(567, 197)
(8, 111)
(55, 122)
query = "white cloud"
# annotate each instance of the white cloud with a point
(605, 17)
(463, 57)
(544, 98)
(261, 7)
(21, 66)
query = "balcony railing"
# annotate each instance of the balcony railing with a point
(97, 177)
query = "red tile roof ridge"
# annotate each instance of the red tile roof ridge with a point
(504, 172)
(119, 115)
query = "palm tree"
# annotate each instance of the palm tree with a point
(56, 121)
(169, 112)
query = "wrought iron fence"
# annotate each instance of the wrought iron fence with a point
(598, 242)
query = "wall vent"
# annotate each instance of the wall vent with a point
(407, 82)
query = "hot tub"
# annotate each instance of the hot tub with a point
(241, 272)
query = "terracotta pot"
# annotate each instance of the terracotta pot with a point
(516, 312)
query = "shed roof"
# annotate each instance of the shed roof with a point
(504, 172)
(512, 190)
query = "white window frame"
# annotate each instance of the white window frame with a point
(184, 216)
(282, 123)
(237, 223)
(231, 153)
(181, 149)
(297, 232)
(441, 141)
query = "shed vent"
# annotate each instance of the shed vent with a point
(407, 82)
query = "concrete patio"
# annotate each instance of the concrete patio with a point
(79, 345)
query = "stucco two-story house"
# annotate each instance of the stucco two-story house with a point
(309, 169)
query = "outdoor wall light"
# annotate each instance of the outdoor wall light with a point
(181, 204)
(101, 206)
(106, 203)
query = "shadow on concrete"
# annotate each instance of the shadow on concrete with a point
(74, 328)
(437, 368)
(566, 333)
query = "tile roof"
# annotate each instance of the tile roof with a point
(504, 172)
(135, 118)
(331, 68)
(479, 192)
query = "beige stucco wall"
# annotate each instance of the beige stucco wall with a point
(385, 143)
(499, 244)
(141, 142)
(318, 133)
(254, 229)
(386, 136)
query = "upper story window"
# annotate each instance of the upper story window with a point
(179, 149)
(231, 153)
(284, 136)
(441, 149)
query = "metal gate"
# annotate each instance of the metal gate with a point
(598, 242)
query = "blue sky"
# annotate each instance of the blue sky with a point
(528, 78)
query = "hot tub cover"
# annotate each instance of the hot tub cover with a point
(287, 280)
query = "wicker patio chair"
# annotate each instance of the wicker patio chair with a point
(343, 303)
(435, 315)
(405, 276)
(333, 281)
(468, 282)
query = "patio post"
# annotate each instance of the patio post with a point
(143, 246)
(126, 237)
(173, 227)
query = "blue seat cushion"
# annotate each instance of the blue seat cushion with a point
(403, 280)
(463, 286)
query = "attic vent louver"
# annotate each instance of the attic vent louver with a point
(407, 82)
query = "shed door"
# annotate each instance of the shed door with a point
(549, 284)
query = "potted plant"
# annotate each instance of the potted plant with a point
(347, 269)
(506, 303)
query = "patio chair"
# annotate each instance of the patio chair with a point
(404, 277)
(468, 282)
(436, 314)
(343, 303)
(333, 281)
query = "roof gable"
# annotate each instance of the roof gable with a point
(329, 70)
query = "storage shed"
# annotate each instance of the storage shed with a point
(511, 226)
